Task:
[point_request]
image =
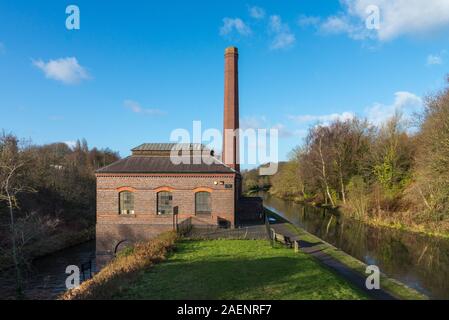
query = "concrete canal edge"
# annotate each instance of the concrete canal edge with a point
(350, 268)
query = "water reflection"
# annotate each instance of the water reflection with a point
(420, 261)
(45, 277)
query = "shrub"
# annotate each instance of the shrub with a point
(358, 197)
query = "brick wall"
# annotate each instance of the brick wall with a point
(145, 223)
(108, 236)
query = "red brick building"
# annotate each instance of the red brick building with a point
(147, 193)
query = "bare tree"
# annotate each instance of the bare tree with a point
(11, 168)
(318, 157)
(349, 141)
(324, 171)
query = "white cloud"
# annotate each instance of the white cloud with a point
(261, 122)
(322, 119)
(280, 34)
(397, 18)
(404, 102)
(283, 40)
(70, 144)
(336, 24)
(283, 37)
(305, 21)
(66, 70)
(256, 12)
(137, 108)
(284, 132)
(234, 24)
(276, 23)
(434, 59)
(342, 24)
(253, 122)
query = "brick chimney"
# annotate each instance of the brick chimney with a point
(231, 110)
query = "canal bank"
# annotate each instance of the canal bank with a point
(45, 278)
(341, 263)
(419, 261)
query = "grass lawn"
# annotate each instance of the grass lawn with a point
(238, 269)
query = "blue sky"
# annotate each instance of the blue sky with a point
(136, 70)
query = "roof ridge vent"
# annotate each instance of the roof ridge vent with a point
(165, 149)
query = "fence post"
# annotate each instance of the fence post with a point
(273, 236)
(175, 218)
(296, 243)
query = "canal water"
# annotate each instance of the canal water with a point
(45, 277)
(420, 261)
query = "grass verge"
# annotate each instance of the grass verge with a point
(123, 270)
(419, 229)
(238, 269)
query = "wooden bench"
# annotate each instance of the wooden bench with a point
(288, 242)
(283, 239)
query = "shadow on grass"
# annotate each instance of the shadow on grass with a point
(224, 277)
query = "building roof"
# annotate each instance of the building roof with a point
(170, 146)
(158, 164)
(165, 149)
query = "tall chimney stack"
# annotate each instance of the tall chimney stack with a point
(231, 110)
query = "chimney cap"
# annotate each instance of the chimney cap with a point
(231, 50)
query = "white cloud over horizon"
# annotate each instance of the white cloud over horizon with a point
(405, 103)
(135, 107)
(70, 144)
(66, 70)
(322, 119)
(261, 122)
(285, 132)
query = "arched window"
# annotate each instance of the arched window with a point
(202, 203)
(126, 202)
(164, 202)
